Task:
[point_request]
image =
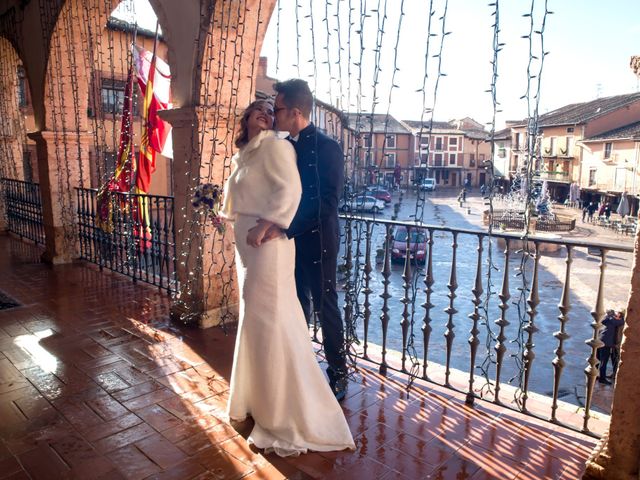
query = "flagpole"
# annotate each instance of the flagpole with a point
(146, 112)
(153, 61)
(133, 171)
(144, 231)
(155, 40)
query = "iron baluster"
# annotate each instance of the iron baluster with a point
(475, 317)
(367, 290)
(386, 275)
(449, 333)
(502, 322)
(561, 335)
(427, 305)
(79, 215)
(406, 299)
(348, 285)
(591, 371)
(157, 242)
(530, 328)
(174, 255)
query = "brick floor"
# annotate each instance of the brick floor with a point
(96, 383)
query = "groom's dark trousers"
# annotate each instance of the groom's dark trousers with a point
(316, 232)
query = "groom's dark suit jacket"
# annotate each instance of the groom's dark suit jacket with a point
(316, 232)
(321, 167)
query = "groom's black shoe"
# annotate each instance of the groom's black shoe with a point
(339, 388)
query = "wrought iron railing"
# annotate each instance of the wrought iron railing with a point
(488, 288)
(142, 252)
(24, 209)
(558, 176)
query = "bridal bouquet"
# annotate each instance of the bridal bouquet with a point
(207, 199)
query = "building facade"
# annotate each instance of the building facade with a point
(610, 162)
(453, 153)
(381, 149)
(559, 148)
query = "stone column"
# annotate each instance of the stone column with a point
(63, 159)
(207, 292)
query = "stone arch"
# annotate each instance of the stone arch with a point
(87, 61)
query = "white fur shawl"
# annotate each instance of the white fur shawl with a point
(265, 181)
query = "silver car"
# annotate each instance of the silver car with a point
(362, 203)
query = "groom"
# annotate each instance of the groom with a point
(315, 226)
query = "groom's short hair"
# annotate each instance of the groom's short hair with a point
(296, 94)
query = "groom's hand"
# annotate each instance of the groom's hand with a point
(273, 231)
(255, 235)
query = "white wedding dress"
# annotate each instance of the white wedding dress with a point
(275, 378)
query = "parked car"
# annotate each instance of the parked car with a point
(379, 193)
(428, 184)
(417, 245)
(362, 203)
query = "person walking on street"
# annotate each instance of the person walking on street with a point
(609, 336)
(591, 209)
(615, 353)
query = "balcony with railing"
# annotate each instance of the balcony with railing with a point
(96, 383)
(24, 209)
(465, 324)
(556, 176)
(143, 251)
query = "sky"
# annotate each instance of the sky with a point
(348, 61)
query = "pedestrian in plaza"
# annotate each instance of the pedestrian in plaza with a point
(591, 209)
(601, 209)
(615, 353)
(607, 210)
(609, 336)
(585, 211)
(462, 196)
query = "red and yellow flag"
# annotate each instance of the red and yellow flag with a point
(147, 158)
(154, 86)
(131, 175)
(122, 179)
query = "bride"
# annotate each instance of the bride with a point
(275, 377)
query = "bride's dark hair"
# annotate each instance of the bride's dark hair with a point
(242, 137)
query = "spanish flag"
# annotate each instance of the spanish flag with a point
(154, 82)
(124, 176)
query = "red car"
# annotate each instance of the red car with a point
(417, 245)
(379, 193)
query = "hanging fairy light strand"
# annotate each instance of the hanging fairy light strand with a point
(537, 55)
